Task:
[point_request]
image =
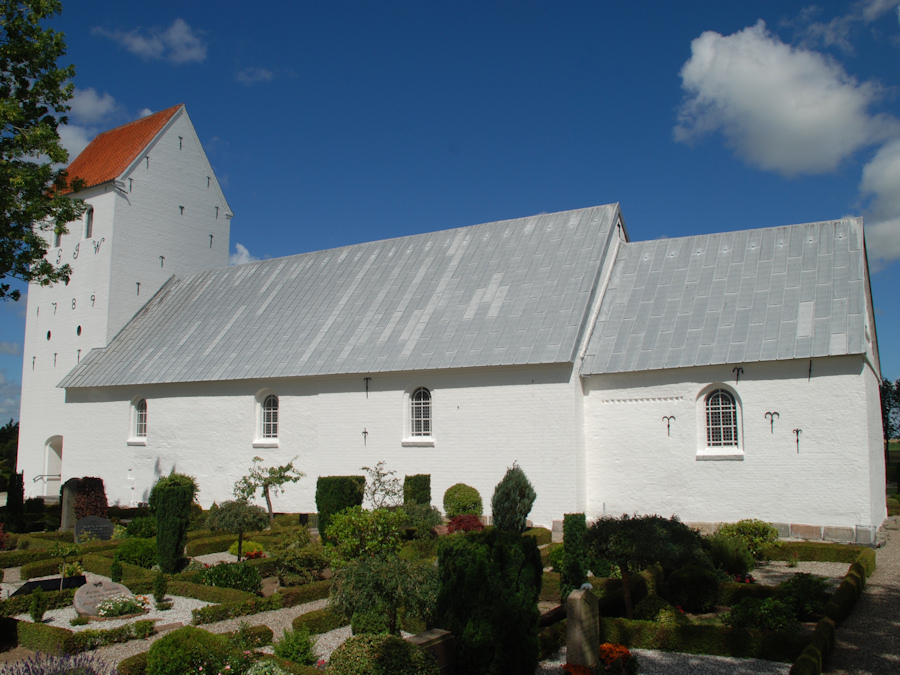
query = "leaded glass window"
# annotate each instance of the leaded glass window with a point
(721, 419)
(421, 412)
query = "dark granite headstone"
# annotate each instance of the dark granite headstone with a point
(90, 595)
(49, 585)
(94, 527)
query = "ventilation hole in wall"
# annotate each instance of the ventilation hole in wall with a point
(48, 334)
(78, 330)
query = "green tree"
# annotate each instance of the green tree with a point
(9, 444)
(357, 533)
(34, 95)
(634, 543)
(383, 488)
(890, 408)
(386, 585)
(268, 479)
(512, 501)
(237, 516)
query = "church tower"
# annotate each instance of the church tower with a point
(154, 209)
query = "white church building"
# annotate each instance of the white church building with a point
(714, 377)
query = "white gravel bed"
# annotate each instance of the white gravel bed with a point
(674, 663)
(777, 571)
(213, 558)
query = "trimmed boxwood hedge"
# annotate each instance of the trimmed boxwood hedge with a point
(214, 544)
(319, 621)
(19, 558)
(542, 534)
(41, 637)
(136, 579)
(213, 613)
(814, 551)
(41, 568)
(208, 593)
(22, 603)
(299, 595)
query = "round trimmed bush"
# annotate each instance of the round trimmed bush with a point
(381, 655)
(692, 588)
(756, 533)
(461, 500)
(187, 649)
(137, 551)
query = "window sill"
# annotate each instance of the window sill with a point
(720, 454)
(268, 443)
(418, 442)
(137, 441)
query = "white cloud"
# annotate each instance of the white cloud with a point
(254, 75)
(75, 139)
(89, 107)
(881, 179)
(145, 112)
(11, 348)
(839, 31)
(10, 396)
(176, 44)
(241, 256)
(781, 108)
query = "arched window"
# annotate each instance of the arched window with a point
(140, 419)
(269, 421)
(721, 419)
(420, 420)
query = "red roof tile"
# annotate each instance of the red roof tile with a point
(110, 153)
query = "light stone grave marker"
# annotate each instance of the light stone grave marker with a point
(90, 595)
(95, 527)
(69, 488)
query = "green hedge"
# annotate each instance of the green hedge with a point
(813, 551)
(41, 637)
(693, 639)
(732, 592)
(417, 489)
(208, 593)
(41, 568)
(336, 493)
(299, 595)
(18, 558)
(22, 603)
(319, 621)
(812, 659)
(136, 579)
(215, 544)
(542, 534)
(213, 613)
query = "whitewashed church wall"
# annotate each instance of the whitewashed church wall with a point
(830, 479)
(484, 420)
(876, 445)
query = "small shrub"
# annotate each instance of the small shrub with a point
(160, 586)
(756, 533)
(461, 500)
(729, 553)
(38, 605)
(767, 614)
(419, 520)
(297, 559)
(381, 655)
(296, 646)
(240, 576)
(115, 572)
(250, 549)
(359, 533)
(143, 527)
(465, 523)
(657, 609)
(417, 489)
(188, 650)
(512, 501)
(266, 667)
(66, 664)
(137, 551)
(555, 557)
(79, 621)
(90, 498)
(806, 594)
(692, 588)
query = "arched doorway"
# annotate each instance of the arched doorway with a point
(53, 450)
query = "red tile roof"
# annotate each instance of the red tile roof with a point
(110, 153)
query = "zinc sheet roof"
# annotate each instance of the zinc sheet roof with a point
(756, 295)
(511, 292)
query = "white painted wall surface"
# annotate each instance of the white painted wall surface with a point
(133, 226)
(484, 420)
(833, 480)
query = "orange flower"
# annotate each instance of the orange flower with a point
(573, 669)
(610, 653)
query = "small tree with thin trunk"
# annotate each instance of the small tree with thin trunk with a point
(637, 542)
(270, 479)
(237, 516)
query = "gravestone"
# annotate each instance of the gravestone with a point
(94, 527)
(90, 595)
(67, 520)
(49, 585)
(583, 629)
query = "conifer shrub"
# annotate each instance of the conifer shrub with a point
(489, 587)
(15, 503)
(137, 551)
(512, 501)
(417, 489)
(462, 500)
(173, 479)
(381, 655)
(173, 505)
(90, 498)
(336, 493)
(160, 586)
(692, 588)
(573, 571)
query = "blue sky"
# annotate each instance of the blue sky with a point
(331, 123)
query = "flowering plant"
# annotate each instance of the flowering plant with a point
(616, 658)
(573, 669)
(744, 579)
(120, 605)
